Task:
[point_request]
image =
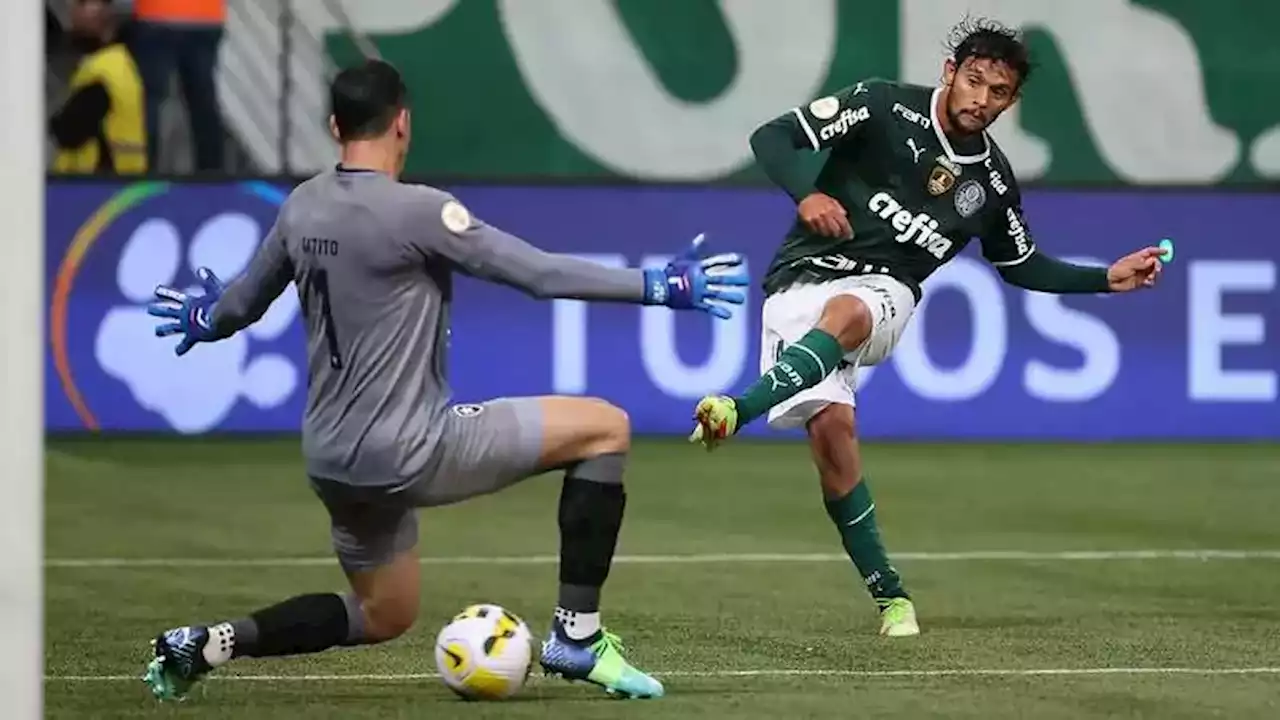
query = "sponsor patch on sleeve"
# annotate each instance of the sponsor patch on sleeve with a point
(824, 108)
(455, 216)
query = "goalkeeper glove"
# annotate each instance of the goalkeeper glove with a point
(193, 313)
(694, 282)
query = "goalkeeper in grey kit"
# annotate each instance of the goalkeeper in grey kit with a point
(372, 260)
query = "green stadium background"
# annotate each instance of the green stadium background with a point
(1150, 92)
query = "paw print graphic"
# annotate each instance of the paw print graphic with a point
(193, 393)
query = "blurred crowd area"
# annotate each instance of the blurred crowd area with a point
(130, 87)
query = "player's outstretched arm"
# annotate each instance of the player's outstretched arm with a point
(221, 312)
(1008, 246)
(1042, 273)
(692, 281)
(1045, 274)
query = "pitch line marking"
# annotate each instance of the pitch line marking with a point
(706, 558)
(761, 673)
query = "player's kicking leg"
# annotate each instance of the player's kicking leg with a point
(815, 337)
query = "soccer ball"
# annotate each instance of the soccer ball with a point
(485, 653)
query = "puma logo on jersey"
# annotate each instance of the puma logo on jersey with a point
(916, 150)
(844, 122)
(789, 374)
(919, 229)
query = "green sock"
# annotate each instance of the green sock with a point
(855, 517)
(799, 366)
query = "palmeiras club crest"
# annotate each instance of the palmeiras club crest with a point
(970, 197)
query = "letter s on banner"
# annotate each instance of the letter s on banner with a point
(986, 350)
(1087, 334)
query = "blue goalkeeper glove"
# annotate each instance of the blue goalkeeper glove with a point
(193, 313)
(694, 282)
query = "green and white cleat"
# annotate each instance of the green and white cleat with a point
(180, 659)
(165, 685)
(717, 417)
(599, 662)
(897, 617)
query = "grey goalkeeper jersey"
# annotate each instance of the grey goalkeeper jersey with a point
(371, 259)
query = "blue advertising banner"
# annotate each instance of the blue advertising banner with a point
(1196, 358)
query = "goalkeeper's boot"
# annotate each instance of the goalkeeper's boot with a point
(717, 417)
(897, 617)
(183, 658)
(597, 660)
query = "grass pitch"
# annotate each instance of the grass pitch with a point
(1051, 581)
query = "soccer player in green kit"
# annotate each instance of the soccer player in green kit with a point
(910, 178)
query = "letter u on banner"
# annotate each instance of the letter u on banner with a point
(662, 361)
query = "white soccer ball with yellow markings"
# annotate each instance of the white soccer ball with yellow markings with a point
(485, 653)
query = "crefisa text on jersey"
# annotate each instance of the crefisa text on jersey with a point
(917, 227)
(320, 246)
(997, 181)
(841, 126)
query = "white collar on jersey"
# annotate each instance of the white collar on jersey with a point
(946, 144)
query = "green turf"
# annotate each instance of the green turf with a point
(699, 621)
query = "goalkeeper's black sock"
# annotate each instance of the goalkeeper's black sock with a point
(592, 501)
(300, 625)
(854, 516)
(799, 366)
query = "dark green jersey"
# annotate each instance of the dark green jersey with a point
(914, 199)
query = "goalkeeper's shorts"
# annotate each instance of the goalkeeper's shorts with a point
(484, 448)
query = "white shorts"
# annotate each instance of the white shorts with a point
(790, 314)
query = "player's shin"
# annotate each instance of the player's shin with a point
(579, 647)
(854, 515)
(799, 366)
(300, 625)
(592, 501)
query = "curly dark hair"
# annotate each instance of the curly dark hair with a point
(990, 40)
